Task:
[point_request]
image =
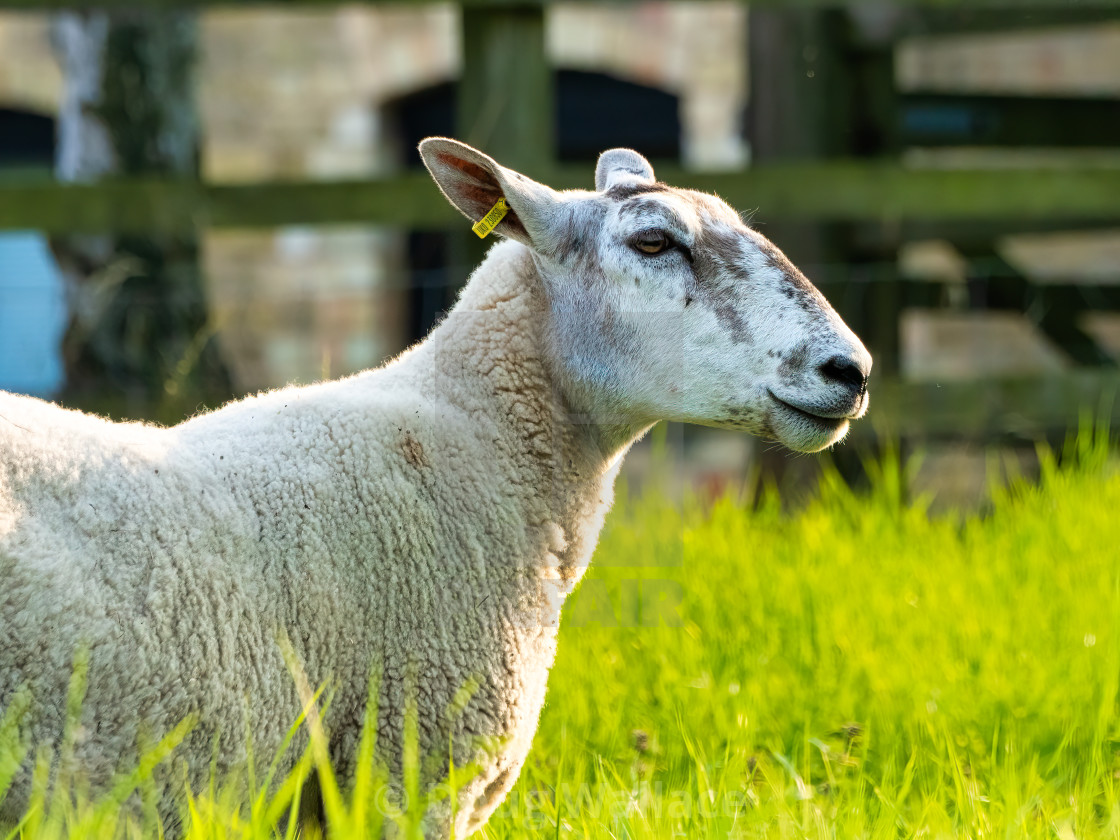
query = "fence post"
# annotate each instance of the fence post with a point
(799, 110)
(505, 103)
(140, 342)
(505, 96)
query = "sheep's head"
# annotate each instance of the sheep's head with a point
(665, 305)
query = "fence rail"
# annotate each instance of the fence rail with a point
(1074, 7)
(1026, 407)
(976, 202)
(828, 191)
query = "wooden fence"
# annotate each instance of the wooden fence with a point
(843, 191)
(945, 13)
(503, 46)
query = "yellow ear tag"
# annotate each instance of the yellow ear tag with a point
(490, 221)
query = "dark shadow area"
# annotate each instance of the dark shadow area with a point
(26, 139)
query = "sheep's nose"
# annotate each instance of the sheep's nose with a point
(847, 372)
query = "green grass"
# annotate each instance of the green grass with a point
(856, 669)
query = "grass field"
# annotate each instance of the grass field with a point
(856, 669)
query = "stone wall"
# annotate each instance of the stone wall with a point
(1076, 61)
(30, 78)
(291, 94)
(297, 93)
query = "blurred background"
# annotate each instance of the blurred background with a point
(198, 203)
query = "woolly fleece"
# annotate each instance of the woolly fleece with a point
(425, 519)
(335, 512)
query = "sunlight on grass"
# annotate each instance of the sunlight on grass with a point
(858, 668)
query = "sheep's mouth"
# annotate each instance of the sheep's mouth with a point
(802, 429)
(830, 420)
(852, 409)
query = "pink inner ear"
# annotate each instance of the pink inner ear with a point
(471, 170)
(483, 193)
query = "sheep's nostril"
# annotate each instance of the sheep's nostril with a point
(845, 371)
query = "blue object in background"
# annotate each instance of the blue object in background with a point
(33, 315)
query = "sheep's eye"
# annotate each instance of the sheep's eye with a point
(651, 242)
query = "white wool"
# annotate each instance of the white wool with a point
(404, 516)
(425, 519)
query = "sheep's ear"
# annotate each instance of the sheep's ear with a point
(620, 166)
(473, 183)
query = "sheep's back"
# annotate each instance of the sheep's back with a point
(370, 528)
(114, 544)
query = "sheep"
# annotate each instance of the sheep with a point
(427, 518)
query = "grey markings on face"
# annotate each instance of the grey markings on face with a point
(721, 279)
(640, 203)
(729, 249)
(727, 254)
(746, 419)
(795, 285)
(792, 368)
(629, 189)
(590, 313)
(578, 244)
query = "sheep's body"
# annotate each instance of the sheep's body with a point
(395, 518)
(424, 520)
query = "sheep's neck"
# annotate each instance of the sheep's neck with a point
(493, 349)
